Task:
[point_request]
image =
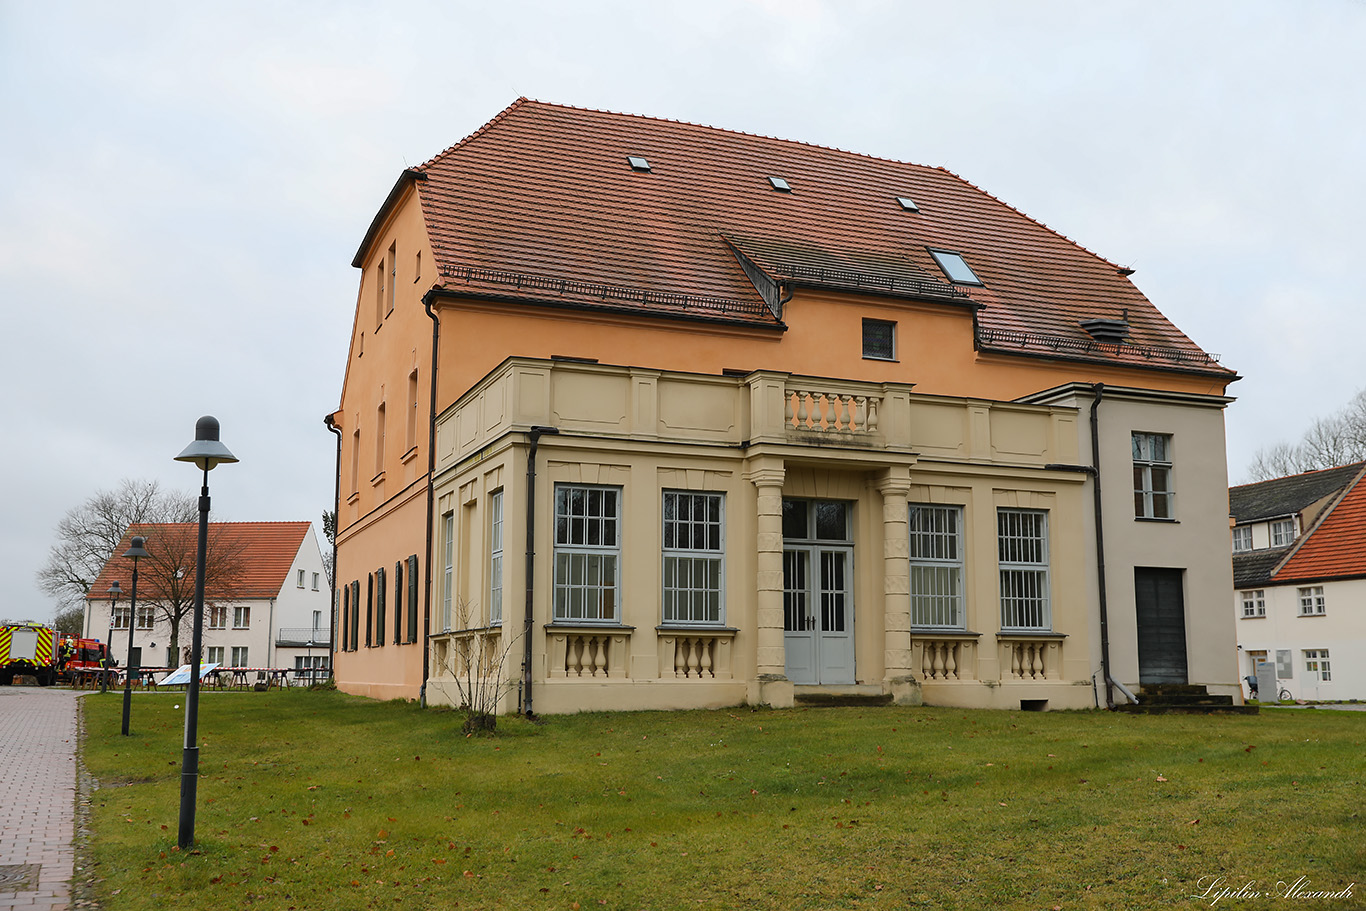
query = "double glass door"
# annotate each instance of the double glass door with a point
(818, 615)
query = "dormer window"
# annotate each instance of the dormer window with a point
(1282, 532)
(955, 267)
(782, 186)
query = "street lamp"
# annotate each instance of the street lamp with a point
(114, 591)
(135, 551)
(206, 452)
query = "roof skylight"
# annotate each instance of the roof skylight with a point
(638, 163)
(955, 267)
(908, 204)
(780, 184)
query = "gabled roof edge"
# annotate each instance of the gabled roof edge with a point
(409, 177)
(1318, 523)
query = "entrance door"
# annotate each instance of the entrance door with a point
(1161, 613)
(818, 619)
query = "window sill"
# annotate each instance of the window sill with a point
(1254, 617)
(409, 455)
(1310, 616)
(676, 629)
(1030, 634)
(573, 626)
(377, 480)
(942, 632)
(885, 360)
(1157, 519)
(352, 497)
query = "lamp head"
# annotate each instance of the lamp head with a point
(137, 549)
(115, 590)
(206, 451)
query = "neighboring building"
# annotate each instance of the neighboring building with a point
(737, 419)
(1299, 575)
(267, 607)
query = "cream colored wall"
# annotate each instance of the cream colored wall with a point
(650, 431)
(1341, 630)
(1198, 542)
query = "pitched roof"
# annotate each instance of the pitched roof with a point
(1287, 496)
(264, 553)
(1336, 546)
(1254, 568)
(541, 205)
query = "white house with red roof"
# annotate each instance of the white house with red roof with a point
(1299, 565)
(266, 596)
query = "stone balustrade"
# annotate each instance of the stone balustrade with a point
(1031, 657)
(944, 657)
(695, 654)
(587, 652)
(826, 410)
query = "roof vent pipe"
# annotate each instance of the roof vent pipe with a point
(1114, 331)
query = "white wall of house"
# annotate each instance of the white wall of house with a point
(1341, 630)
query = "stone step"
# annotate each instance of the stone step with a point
(1151, 708)
(821, 699)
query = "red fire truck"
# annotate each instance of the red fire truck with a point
(77, 656)
(28, 650)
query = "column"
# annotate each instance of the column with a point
(895, 485)
(770, 654)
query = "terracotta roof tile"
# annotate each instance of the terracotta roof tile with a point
(267, 551)
(541, 204)
(1336, 546)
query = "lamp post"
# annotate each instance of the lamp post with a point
(114, 591)
(206, 452)
(135, 551)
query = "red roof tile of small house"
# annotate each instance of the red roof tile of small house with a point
(267, 551)
(1336, 546)
(540, 204)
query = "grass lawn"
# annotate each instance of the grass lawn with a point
(315, 800)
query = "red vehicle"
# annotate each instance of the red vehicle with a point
(26, 650)
(75, 656)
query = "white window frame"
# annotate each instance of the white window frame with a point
(448, 573)
(1254, 603)
(1282, 532)
(693, 565)
(147, 616)
(218, 616)
(239, 656)
(1312, 602)
(1023, 563)
(241, 616)
(213, 655)
(316, 579)
(1150, 463)
(936, 555)
(1242, 539)
(1316, 663)
(587, 574)
(301, 577)
(879, 324)
(120, 617)
(496, 558)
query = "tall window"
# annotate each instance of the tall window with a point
(147, 616)
(315, 580)
(1022, 541)
(300, 583)
(346, 619)
(214, 654)
(410, 435)
(241, 617)
(1152, 476)
(355, 461)
(121, 617)
(218, 616)
(495, 557)
(1282, 532)
(239, 656)
(587, 553)
(1311, 601)
(355, 615)
(412, 598)
(380, 274)
(448, 574)
(1254, 603)
(393, 277)
(1316, 664)
(1242, 539)
(380, 591)
(379, 438)
(694, 557)
(936, 566)
(398, 602)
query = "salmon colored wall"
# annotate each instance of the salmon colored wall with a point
(824, 338)
(382, 516)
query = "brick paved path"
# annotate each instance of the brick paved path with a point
(37, 797)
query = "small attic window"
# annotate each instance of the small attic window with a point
(780, 185)
(955, 267)
(908, 204)
(638, 163)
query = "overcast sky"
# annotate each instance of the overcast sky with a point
(183, 185)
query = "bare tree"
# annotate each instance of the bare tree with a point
(88, 534)
(1338, 439)
(330, 533)
(166, 576)
(69, 622)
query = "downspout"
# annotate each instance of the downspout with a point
(534, 437)
(431, 503)
(336, 527)
(1099, 391)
